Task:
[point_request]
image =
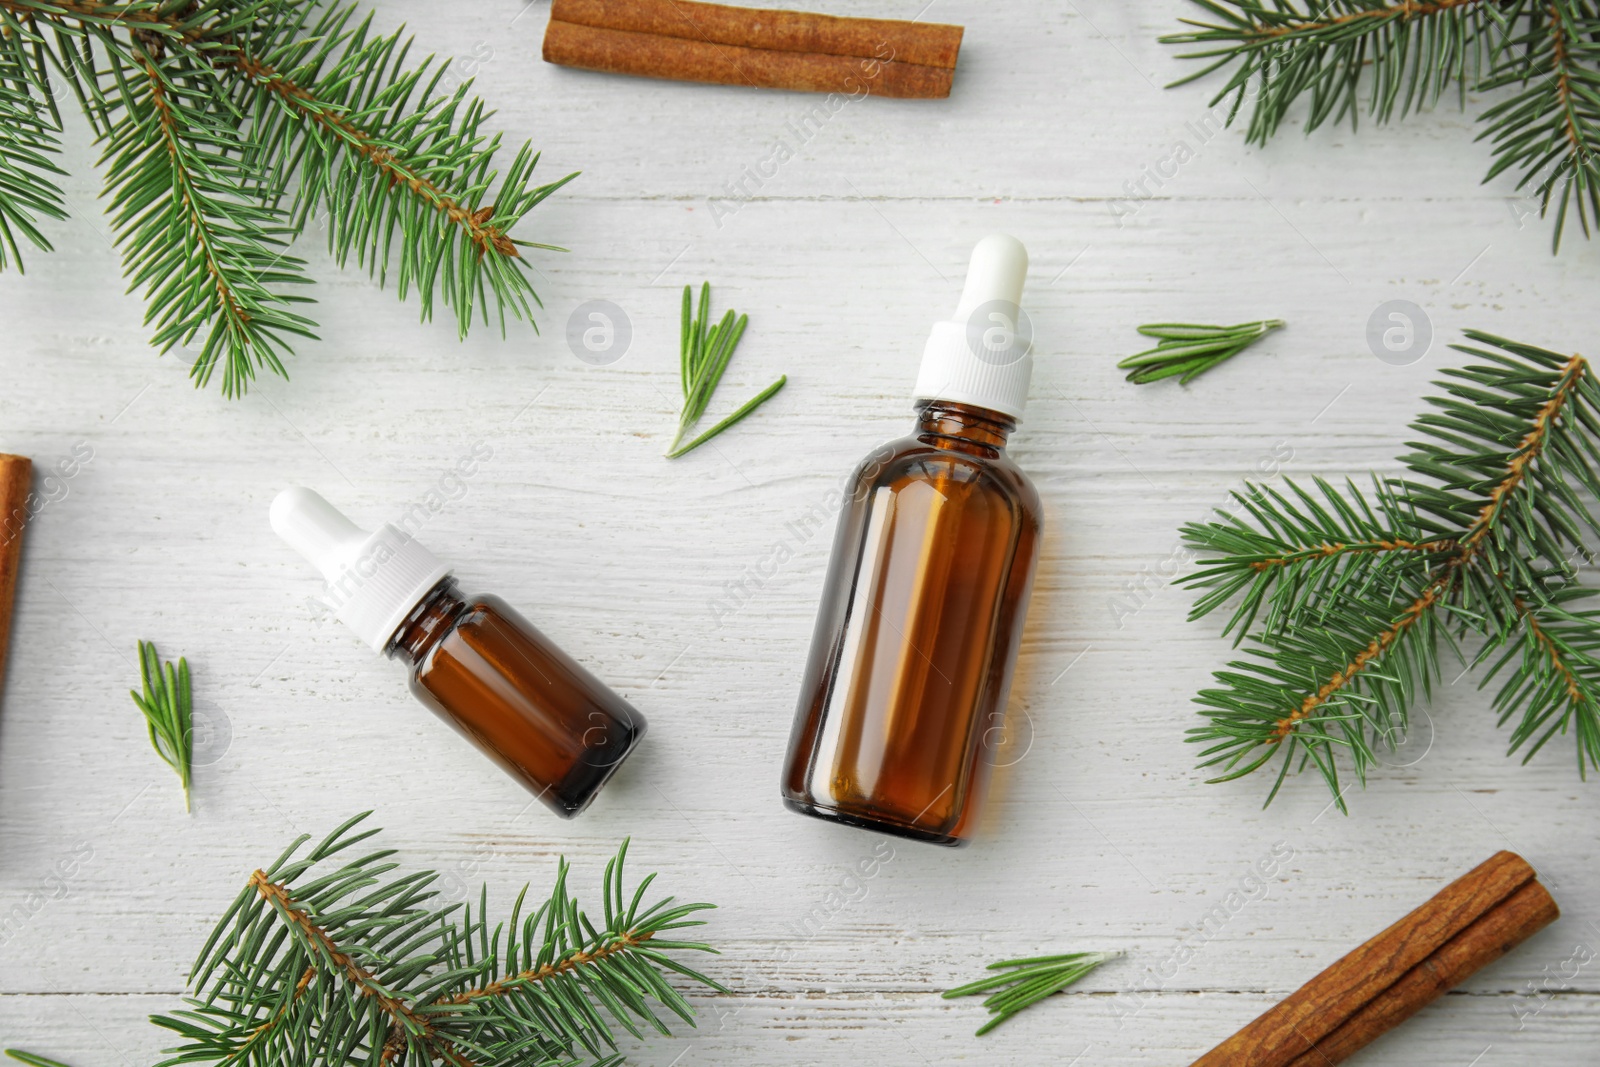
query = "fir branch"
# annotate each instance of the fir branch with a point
(330, 960)
(29, 125)
(1552, 675)
(1280, 51)
(1298, 552)
(1404, 56)
(1191, 349)
(1550, 130)
(1022, 983)
(168, 706)
(215, 112)
(703, 354)
(331, 88)
(1357, 602)
(205, 254)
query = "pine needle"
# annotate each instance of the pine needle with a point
(168, 709)
(1022, 983)
(334, 940)
(231, 129)
(1191, 349)
(1348, 602)
(1384, 58)
(703, 355)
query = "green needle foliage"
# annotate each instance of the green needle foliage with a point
(32, 1059)
(1349, 601)
(1404, 55)
(229, 128)
(1024, 983)
(703, 354)
(1190, 350)
(168, 706)
(327, 958)
(28, 125)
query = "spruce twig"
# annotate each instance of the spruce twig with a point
(1024, 982)
(327, 958)
(1405, 56)
(1349, 601)
(703, 354)
(1191, 349)
(168, 707)
(230, 128)
(29, 127)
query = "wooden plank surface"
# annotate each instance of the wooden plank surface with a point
(1100, 835)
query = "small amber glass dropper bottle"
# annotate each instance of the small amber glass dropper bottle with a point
(927, 587)
(483, 668)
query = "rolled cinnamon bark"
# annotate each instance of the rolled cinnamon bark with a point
(1381, 969)
(686, 41)
(16, 479)
(1507, 925)
(676, 59)
(930, 44)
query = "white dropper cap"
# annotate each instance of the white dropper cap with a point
(984, 354)
(374, 580)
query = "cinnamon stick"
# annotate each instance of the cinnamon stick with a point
(928, 43)
(1511, 922)
(685, 40)
(1474, 919)
(16, 479)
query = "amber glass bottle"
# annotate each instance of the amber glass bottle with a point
(489, 673)
(483, 668)
(918, 630)
(922, 609)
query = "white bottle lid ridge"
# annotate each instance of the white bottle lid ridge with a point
(983, 355)
(374, 580)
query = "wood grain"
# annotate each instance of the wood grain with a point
(1101, 834)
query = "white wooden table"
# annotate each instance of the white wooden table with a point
(1101, 835)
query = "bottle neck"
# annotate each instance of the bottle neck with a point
(430, 620)
(963, 427)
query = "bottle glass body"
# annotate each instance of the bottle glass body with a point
(527, 705)
(918, 631)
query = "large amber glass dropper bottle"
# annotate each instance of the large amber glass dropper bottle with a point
(480, 666)
(927, 587)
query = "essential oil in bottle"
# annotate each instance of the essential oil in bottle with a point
(922, 610)
(479, 665)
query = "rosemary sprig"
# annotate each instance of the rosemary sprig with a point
(168, 708)
(1025, 982)
(1190, 349)
(703, 355)
(33, 1059)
